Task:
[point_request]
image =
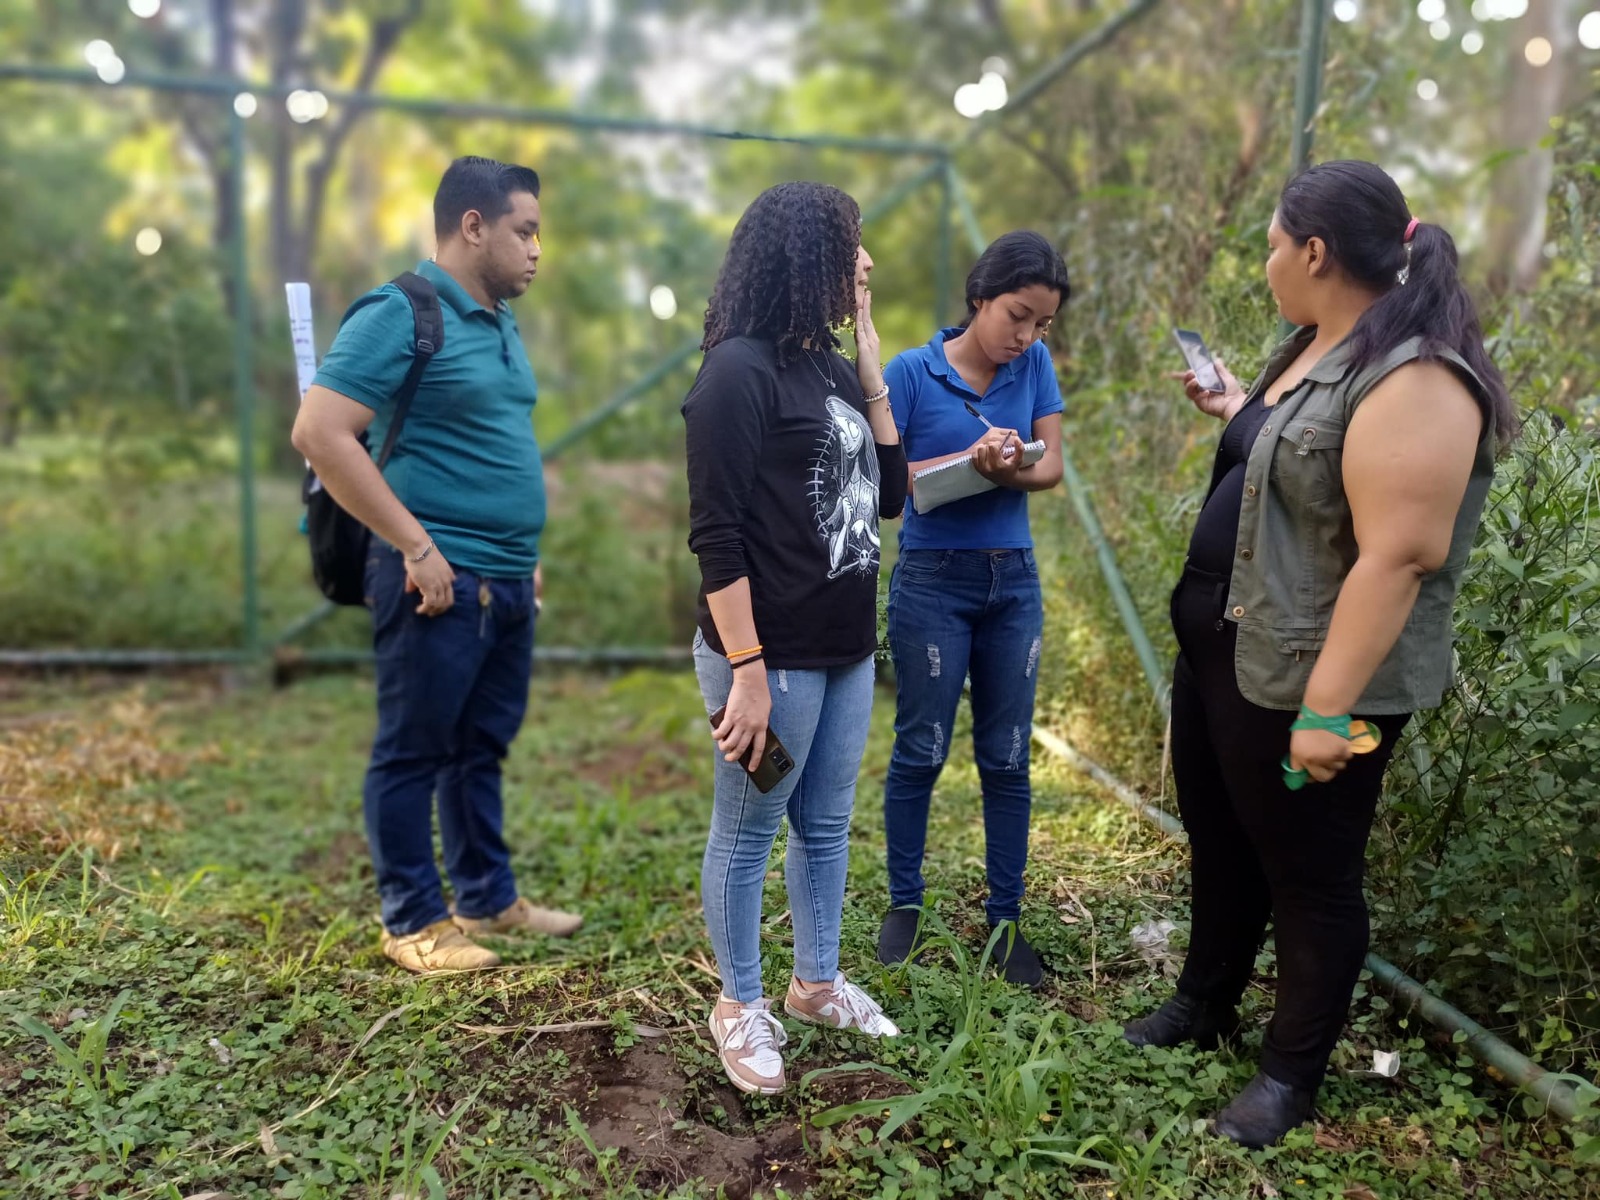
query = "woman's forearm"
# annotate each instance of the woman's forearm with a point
(1040, 477)
(882, 422)
(1368, 617)
(735, 618)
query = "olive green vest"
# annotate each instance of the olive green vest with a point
(1297, 541)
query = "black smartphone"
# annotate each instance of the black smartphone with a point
(775, 760)
(1199, 360)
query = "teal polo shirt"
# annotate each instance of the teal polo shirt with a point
(467, 465)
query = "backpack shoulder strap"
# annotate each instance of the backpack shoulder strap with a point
(429, 322)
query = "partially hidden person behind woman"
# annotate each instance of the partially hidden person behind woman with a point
(964, 597)
(1320, 580)
(792, 459)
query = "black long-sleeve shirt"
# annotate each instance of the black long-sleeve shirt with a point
(786, 487)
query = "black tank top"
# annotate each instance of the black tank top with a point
(1216, 533)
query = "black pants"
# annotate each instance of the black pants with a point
(1261, 851)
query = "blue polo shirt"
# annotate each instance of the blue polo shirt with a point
(928, 397)
(466, 465)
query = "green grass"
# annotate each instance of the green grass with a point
(131, 550)
(198, 1003)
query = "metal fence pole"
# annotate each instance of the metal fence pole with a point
(244, 387)
(1154, 669)
(969, 218)
(1307, 96)
(1308, 84)
(227, 85)
(942, 267)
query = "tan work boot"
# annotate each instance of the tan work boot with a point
(520, 920)
(748, 1039)
(439, 947)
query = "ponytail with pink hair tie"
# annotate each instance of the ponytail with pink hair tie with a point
(1411, 228)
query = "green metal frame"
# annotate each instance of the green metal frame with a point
(940, 172)
(226, 89)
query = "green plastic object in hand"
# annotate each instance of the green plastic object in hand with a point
(1293, 777)
(1363, 737)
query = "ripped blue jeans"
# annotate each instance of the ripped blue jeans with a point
(954, 613)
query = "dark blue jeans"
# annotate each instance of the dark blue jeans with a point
(953, 613)
(452, 692)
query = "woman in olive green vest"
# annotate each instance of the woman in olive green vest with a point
(1321, 574)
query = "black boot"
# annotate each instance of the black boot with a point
(1264, 1112)
(1185, 1019)
(897, 939)
(1017, 961)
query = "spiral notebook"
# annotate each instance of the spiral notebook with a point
(957, 477)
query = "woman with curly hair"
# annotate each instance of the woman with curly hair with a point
(792, 459)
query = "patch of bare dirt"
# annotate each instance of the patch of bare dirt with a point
(641, 1104)
(645, 768)
(638, 1106)
(334, 860)
(80, 779)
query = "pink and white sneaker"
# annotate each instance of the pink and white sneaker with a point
(748, 1039)
(842, 1005)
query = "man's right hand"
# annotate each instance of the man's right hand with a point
(434, 580)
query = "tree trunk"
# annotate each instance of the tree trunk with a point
(1521, 186)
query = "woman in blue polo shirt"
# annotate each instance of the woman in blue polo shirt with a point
(964, 597)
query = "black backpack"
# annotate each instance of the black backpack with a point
(338, 540)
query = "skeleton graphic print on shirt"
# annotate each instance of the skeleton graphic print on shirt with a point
(844, 492)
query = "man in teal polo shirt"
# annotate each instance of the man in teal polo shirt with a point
(453, 574)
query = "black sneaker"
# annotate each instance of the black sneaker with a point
(897, 940)
(1017, 961)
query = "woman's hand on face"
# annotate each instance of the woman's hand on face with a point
(1320, 752)
(744, 721)
(1222, 405)
(869, 365)
(990, 459)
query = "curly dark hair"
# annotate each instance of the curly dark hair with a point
(790, 270)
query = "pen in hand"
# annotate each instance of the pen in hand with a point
(1009, 450)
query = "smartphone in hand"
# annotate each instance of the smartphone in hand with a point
(775, 760)
(1199, 360)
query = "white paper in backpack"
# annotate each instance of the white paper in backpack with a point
(302, 334)
(957, 477)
